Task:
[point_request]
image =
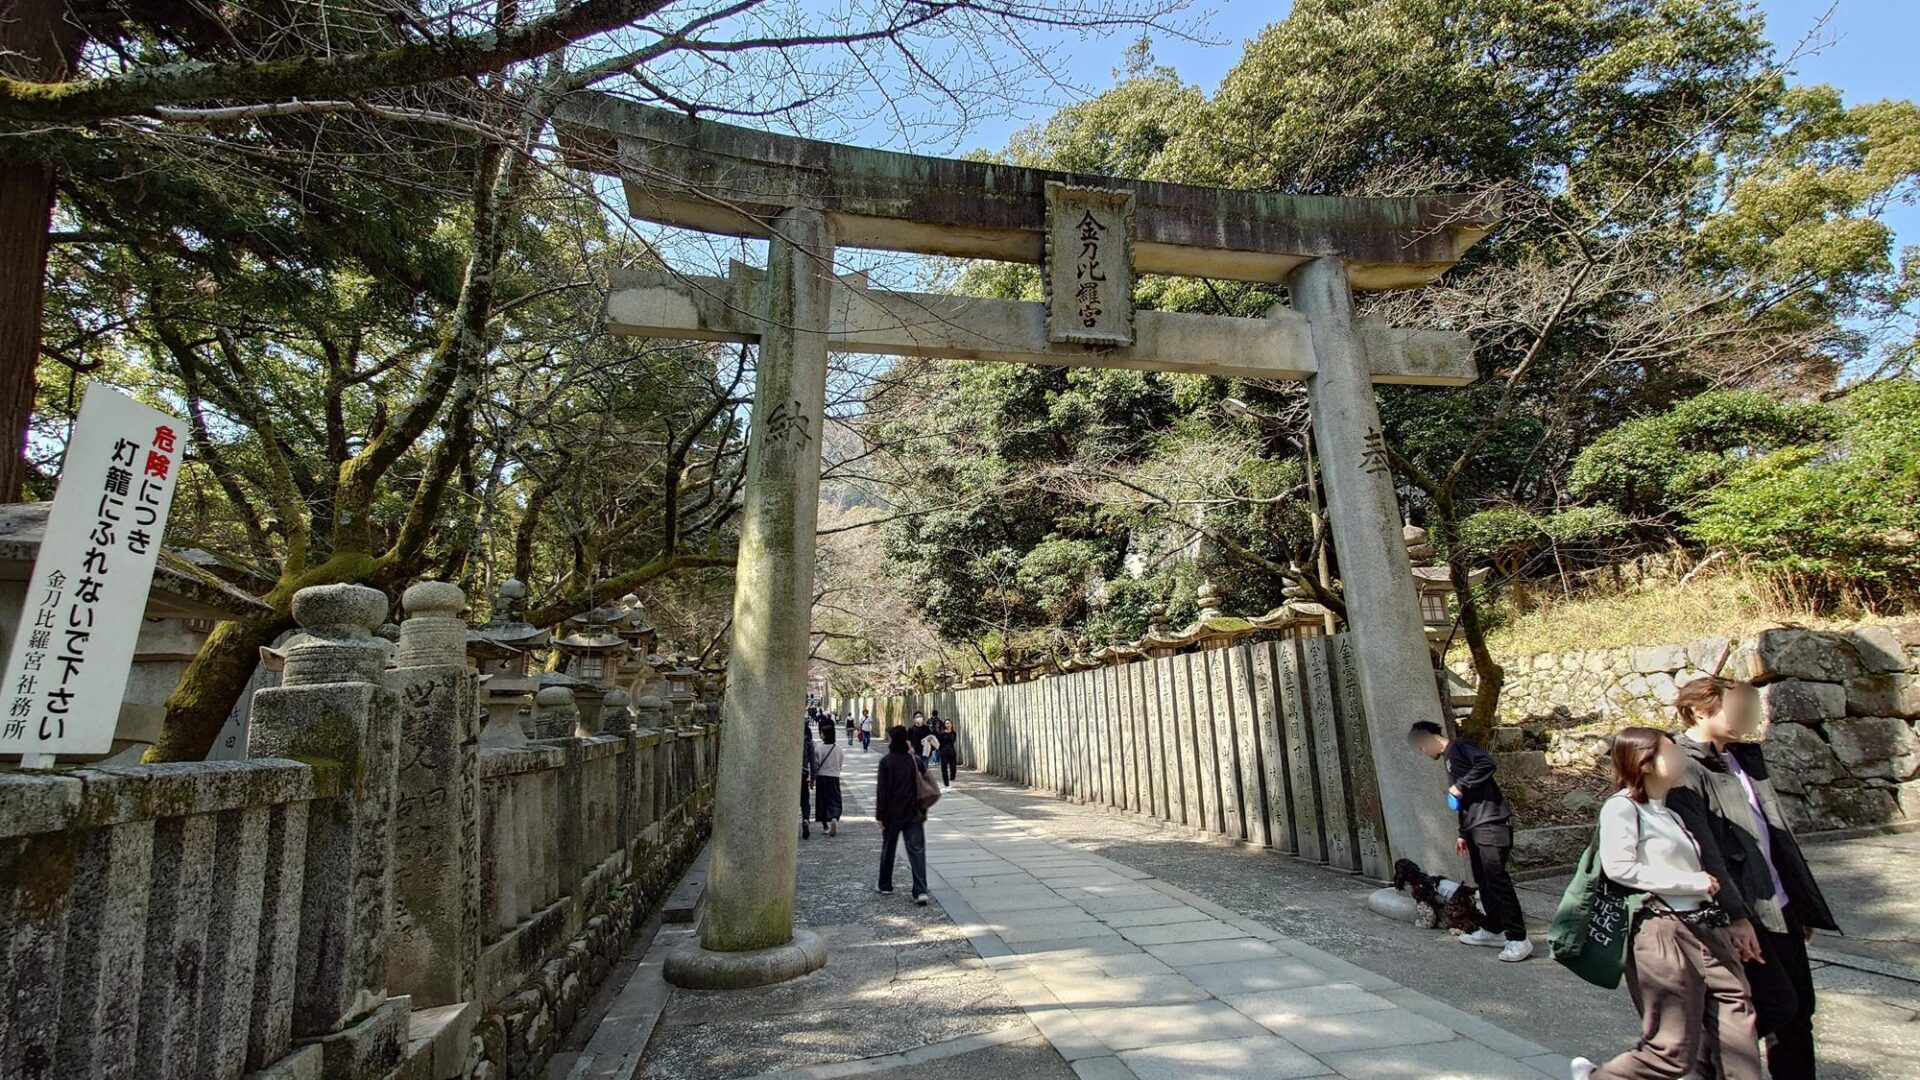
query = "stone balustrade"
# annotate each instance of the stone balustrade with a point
(372, 895)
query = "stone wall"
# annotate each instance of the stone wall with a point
(368, 897)
(1841, 709)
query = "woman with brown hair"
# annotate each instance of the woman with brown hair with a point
(1727, 801)
(1680, 961)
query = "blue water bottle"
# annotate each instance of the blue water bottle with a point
(1453, 801)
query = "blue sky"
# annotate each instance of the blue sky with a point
(1866, 50)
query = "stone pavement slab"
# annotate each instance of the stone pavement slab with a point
(1868, 1025)
(1130, 976)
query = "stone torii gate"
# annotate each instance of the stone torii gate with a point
(1090, 234)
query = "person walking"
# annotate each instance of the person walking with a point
(1681, 962)
(949, 752)
(917, 737)
(827, 758)
(806, 772)
(1486, 836)
(866, 732)
(1729, 804)
(896, 806)
(851, 724)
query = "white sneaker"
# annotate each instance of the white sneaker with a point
(1516, 951)
(1483, 936)
(921, 899)
(1583, 1068)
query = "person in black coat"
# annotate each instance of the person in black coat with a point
(917, 737)
(807, 769)
(896, 805)
(949, 751)
(1486, 836)
(1730, 806)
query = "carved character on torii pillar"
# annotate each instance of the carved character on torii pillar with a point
(1091, 235)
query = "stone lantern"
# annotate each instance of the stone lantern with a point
(680, 693)
(592, 656)
(501, 652)
(632, 626)
(1433, 581)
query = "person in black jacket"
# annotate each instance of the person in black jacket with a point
(1730, 807)
(1486, 836)
(897, 807)
(807, 769)
(917, 737)
(949, 751)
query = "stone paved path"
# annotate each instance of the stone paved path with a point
(1129, 976)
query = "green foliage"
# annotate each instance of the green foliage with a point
(1834, 516)
(1511, 531)
(1659, 464)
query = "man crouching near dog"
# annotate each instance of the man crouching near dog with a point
(1486, 836)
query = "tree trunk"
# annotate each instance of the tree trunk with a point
(1479, 724)
(198, 708)
(26, 204)
(37, 42)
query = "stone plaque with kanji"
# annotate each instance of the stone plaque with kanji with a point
(1089, 265)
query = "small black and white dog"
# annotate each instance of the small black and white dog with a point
(1443, 902)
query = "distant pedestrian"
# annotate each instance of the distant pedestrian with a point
(949, 752)
(1728, 803)
(827, 757)
(919, 739)
(851, 724)
(1486, 836)
(806, 771)
(1682, 969)
(896, 805)
(866, 731)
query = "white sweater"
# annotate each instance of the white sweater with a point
(826, 759)
(1644, 847)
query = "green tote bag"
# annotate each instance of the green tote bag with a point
(1594, 923)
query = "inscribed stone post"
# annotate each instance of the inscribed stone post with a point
(436, 830)
(1397, 686)
(1330, 759)
(751, 876)
(331, 704)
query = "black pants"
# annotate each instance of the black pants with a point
(1783, 1002)
(1488, 855)
(949, 767)
(826, 797)
(916, 835)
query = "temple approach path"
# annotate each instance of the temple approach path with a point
(1066, 940)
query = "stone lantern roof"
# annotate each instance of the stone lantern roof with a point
(505, 628)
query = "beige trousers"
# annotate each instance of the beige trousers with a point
(1675, 974)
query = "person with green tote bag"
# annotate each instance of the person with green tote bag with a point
(1680, 960)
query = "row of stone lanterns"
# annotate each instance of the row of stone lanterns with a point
(602, 676)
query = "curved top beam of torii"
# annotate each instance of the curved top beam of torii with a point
(723, 178)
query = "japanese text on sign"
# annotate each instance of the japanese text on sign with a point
(1089, 271)
(74, 643)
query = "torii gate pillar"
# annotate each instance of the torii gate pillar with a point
(747, 937)
(1397, 685)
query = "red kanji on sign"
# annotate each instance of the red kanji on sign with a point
(158, 464)
(163, 439)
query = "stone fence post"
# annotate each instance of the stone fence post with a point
(333, 707)
(435, 944)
